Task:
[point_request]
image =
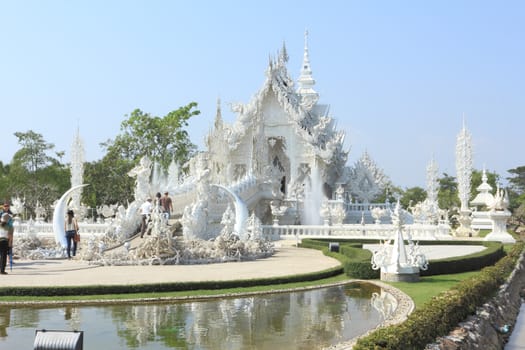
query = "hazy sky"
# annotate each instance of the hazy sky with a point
(399, 75)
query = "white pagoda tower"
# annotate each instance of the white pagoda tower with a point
(484, 199)
(464, 176)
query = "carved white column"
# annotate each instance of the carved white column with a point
(464, 175)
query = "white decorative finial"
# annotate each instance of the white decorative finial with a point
(306, 81)
(306, 39)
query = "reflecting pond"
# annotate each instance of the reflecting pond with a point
(297, 320)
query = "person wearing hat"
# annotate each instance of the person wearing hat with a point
(4, 241)
(71, 229)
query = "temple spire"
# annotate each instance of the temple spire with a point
(218, 116)
(306, 81)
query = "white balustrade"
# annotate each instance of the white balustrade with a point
(386, 231)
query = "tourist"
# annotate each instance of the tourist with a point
(167, 206)
(71, 229)
(7, 209)
(4, 241)
(145, 211)
(158, 200)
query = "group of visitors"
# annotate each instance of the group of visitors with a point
(164, 205)
(6, 236)
(71, 228)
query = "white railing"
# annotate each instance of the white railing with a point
(416, 232)
(47, 228)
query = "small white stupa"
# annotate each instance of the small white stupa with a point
(483, 200)
(499, 214)
(397, 262)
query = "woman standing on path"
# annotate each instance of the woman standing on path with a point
(71, 228)
(4, 242)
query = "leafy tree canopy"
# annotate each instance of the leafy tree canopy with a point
(517, 181)
(161, 139)
(412, 196)
(35, 175)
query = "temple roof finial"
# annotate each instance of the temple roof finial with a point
(306, 81)
(218, 115)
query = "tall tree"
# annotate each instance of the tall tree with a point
(108, 181)
(476, 180)
(448, 192)
(34, 174)
(33, 154)
(517, 192)
(161, 139)
(517, 181)
(412, 196)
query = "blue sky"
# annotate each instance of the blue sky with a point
(399, 75)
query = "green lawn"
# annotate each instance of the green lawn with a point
(429, 286)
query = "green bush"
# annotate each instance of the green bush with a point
(357, 261)
(472, 262)
(163, 287)
(439, 316)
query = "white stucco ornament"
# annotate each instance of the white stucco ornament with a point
(397, 262)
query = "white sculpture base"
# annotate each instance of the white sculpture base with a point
(399, 277)
(481, 220)
(499, 227)
(396, 273)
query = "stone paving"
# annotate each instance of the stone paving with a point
(288, 260)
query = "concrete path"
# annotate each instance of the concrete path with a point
(288, 260)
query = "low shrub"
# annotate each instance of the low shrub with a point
(439, 316)
(357, 261)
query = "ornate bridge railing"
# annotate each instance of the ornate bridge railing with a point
(415, 231)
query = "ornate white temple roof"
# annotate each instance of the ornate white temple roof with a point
(309, 120)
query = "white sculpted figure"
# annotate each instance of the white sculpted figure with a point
(142, 172)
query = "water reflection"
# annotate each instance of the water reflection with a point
(298, 320)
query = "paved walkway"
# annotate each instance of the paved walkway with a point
(288, 260)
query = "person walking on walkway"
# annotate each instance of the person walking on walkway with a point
(71, 229)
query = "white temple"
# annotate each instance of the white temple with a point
(281, 166)
(283, 156)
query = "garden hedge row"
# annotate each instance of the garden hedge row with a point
(357, 261)
(444, 312)
(162, 287)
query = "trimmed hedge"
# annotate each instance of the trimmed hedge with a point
(472, 262)
(163, 287)
(441, 314)
(357, 261)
